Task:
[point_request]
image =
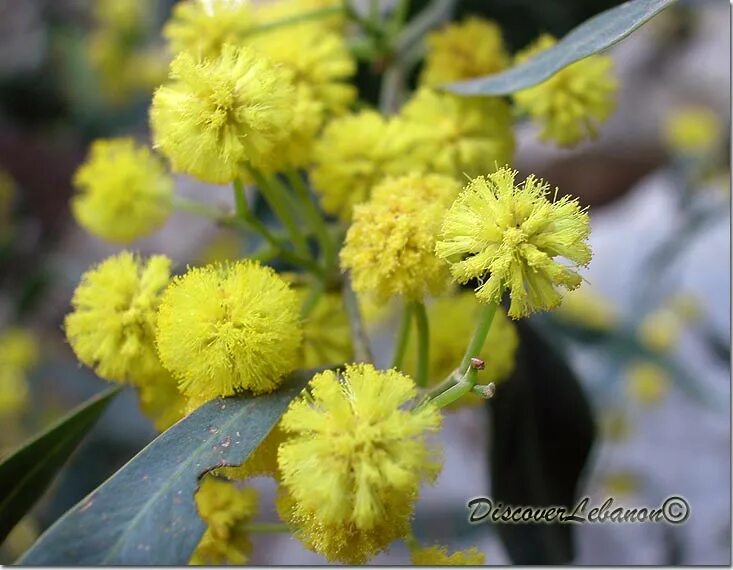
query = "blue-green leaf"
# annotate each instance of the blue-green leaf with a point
(145, 513)
(27, 472)
(592, 36)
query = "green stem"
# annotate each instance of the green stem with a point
(247, 220)
(423, 344)
(403, 336)
(455, 392)
(315, 219)
(360, 340)
(486, 317)
(275, 196)
(263, 528)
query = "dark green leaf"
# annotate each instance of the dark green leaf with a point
(542, 432)
(27, 472)
(592, 36)
(145, 513)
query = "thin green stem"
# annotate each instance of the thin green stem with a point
(276, 198)
(456, 391)
(403, 336)
(265, 528)
(486, 317)
(359, 338)
(423, 344)
(315, 218)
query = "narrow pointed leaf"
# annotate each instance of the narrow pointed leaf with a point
(592, 36)
(27, 472)
(145, 513)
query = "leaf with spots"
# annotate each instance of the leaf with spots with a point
(145, 513)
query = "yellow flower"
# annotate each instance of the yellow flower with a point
(160, 400)
(620, 483)
(660, 330)
(215, 114)
(691, 130)
(438, 556)
(461, 136)
(225, 509)
(261, 463)
(123, 191)
(355, 460)
(112, 326)
(227, 328)
(18, 349)
(570, 105)
(14, 392)
(511, 234)
(390, 246)
(355, 152)
(203, 27)
(647, 382)
(589, 309)
(686, 306)
(462, 50)
(123, 15)
(317, 58)
(278, 10)
(452, 320)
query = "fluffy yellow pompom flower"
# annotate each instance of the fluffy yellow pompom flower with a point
(355, 152)
(512, 233)
(647, 382)
(317, 58)
(438, 556)
(226, 509)
(452, 320)
(571, 104)
(227, 328)
(390, 245)
(123, 191)
(112, 326)
(660, 330)
(354, 462)
(462, 136)
(18, 349)
(462, 50)
(692, 130)
(261, 463)
(14, 391)
(217, 113)
(203, 27)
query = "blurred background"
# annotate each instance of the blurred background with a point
(648, 334)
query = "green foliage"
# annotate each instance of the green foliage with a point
(145, 513)
(27, 472)
(592, 36)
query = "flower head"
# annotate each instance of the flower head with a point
(452, 321)
(462, 136)
(217, 113)
(461, 50)
(262, 462)
(691, 130)
(226, 509)
(660, 330)
(111, 328)
(438, 556)
(647, 382)
(571, 104)
(586, 307)
(326, 333)
(355, 152)
(123, 191)
(18, 349)
(507, 236)
(317, 58)
(390, 245)
(355, 460)
(227, 328)
(203, 27)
